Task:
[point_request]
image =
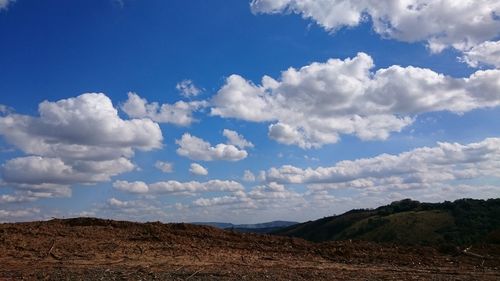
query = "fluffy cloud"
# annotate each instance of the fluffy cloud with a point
(5, 3)
(179, 188)
(315, 104)
(132, 187)
(262, 196)
(137, 209)
(441, 23)
(195, 187)
(179, 113)
(187, 88)
(113, 202)
(19, 198)
(16, 215)
(85, 127)
(197, 149)
(165, 167)
(35, 170)
(197, 169)
(236, 139)
(272, 191)
(79, 140)
(248, 176)
(424, 167)
(4, 109)
(217, 201)
(487, 53)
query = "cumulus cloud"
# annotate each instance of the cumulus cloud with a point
(11, 215)
(197, 149)
(447, 171)
(5, 3)
(132, 187)
(487, 53)
(79, 140)
(248, 176)
(179, 188)
(36, 170)
(197, 169)
(236, 139)
(262, 196)
(187, 88)
(85, 127)
(4, 109)
(214, 201)
(138, 209)
(193, 187)
(317, 103)
(426, 167)
(272, 191)
(179, 113)
(165, 167)
(113, 202)
(17, 198)
(440, 23)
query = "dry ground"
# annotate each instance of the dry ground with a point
(92, 249)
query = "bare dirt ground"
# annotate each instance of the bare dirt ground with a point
(92, 249)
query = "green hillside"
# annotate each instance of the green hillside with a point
(464, 221)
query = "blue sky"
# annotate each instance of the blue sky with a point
(156, 110)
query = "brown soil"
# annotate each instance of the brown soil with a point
(93, 249)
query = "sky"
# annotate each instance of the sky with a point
(245, 111)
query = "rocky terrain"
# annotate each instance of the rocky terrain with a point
(94, 249)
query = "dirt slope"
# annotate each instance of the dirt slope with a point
(93, 249)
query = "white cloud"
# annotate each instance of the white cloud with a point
(179, 188)
(118, 203)
(315, 104)
(236, 139)
(197, 149)
(179, 113)
(30, 193)
(10, 215)
(9, 198)
(487, 53)
(132, 187)
(85, 127)
(426, 167)
(214, 201)
(36, 169)
(165, 167)
(272, 191)
(193, 187)
(5, 3)
(197, 169)
(79, 140)
(248, 176)
(261, 176)
(263, 196)
(188, 89)
(440, 23)
(4, 109)
(138, 209)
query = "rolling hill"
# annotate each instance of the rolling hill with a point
(266, 227)
(464, 221)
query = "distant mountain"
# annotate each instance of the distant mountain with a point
(254, 228)
(221, 225)
(266, 224)
(463, 221)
